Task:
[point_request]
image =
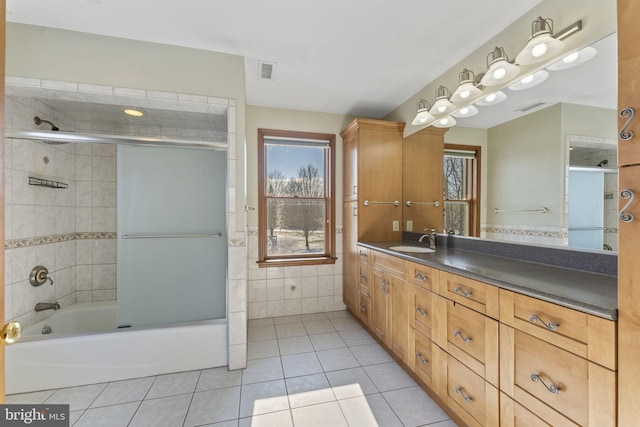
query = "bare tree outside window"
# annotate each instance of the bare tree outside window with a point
(297, 192)
(455, 191)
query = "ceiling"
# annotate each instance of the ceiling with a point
(358, 57)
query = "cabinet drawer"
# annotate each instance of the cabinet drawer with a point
(539, 375)
(588, 336)
(421, 310)
(363, 254)
(423, 276)
(424, 358)
(471, 397)
(552, 375)
(388, 263)
(473, 339)
(513, 414)
(364, 277)
(471, 293)
(365, 308)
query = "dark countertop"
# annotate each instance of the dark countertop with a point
(591, 293)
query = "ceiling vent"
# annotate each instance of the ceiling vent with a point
(266, 70)
(530, 107)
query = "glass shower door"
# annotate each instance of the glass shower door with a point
(586, 209)
(172, 250)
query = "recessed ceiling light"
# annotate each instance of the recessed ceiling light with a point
(134, 113)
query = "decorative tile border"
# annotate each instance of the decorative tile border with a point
(237, 242)
(55, 238)
(525, 232)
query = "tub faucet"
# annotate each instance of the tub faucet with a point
(431, 235)
(41, 306)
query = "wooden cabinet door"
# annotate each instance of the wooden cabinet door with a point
(399, 320)
(629, 78)
(350, 256)
(423, 159)
(380, 305)
(350, 168)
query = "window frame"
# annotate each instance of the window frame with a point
(329, 256)
(473, 186)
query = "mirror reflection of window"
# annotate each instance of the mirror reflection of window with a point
(461, 190)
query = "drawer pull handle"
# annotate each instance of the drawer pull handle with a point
(421, 311)
(364, 254)
(464, 338)
(363, 278)
(552, 388)
(624, 215)
(466, 398)
(552, 326)
(363, 309)
(421, 277)
(422, 359)
(466, 294)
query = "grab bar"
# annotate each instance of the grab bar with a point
(168, 236)
(542, 210)
(410, 203)
(394, 203)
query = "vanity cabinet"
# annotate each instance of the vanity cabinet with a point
(372, 151)
(557, 362)
(365, 285)
(494, 357)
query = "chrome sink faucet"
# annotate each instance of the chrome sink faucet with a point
(41, 306)
(431, 235)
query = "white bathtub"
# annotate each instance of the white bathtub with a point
(75, 354)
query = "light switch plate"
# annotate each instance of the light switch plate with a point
(409, 225)
(396, 225)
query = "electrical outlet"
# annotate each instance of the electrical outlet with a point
(409, 225)
(396, 225)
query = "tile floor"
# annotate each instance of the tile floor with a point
(309, 370)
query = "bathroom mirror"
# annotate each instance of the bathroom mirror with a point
(528, 143)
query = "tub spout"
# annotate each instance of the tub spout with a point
(41, 306)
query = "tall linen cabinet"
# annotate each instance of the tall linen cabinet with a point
(372, 189)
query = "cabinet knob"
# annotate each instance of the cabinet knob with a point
(551, 388)
(466, 294)
(460, 391)
(552, 326)
(624, 215)
(464, 338)
(627, 113)
(421, 359)
(421, 311)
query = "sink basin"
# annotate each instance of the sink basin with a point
(416, 249)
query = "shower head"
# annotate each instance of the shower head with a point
(38, 121)
(603, 163)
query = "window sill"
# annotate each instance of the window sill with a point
(292, 262)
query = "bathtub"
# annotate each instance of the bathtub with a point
(87, 348)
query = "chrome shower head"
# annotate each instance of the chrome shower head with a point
(38, 121)
(603, 163)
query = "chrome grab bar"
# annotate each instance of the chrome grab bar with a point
(542, 210)
(168, 236)
(410, 203)
(394, 203)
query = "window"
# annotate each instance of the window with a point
(462, 189)
(297, 191)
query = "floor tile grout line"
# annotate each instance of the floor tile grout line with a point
(186, 415)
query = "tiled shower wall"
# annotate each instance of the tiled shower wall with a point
(71, 231)
(284, 291)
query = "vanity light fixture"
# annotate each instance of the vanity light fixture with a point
(530, 80)
(500, 69)
(133, 112)
(542, 45)
(444, 122)
(573, 59)
(423, 115)
(442, 105)
(493, 98)
(466, 90)
(467, 111)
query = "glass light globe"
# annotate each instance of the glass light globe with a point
(538, 50)
(499, 73)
